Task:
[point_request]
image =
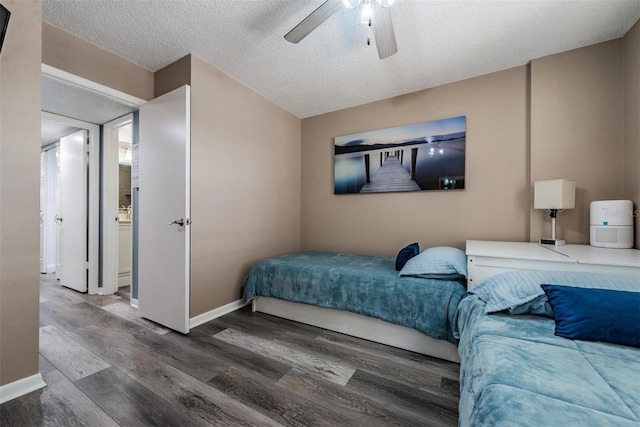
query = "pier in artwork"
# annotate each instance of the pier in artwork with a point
(391, 176)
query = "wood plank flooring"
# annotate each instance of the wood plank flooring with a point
(105, 366)
(124, 292)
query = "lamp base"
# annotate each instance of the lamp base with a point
(552, 242)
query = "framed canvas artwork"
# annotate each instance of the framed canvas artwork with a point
(4, 23)
(416, 157)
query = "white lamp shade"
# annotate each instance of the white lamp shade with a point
(554, 194)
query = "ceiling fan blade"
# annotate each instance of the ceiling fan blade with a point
(383, 32)
(313, 21)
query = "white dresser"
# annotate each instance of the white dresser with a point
(488, 258)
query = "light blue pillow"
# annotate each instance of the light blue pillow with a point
(441, 261)
(519, 292)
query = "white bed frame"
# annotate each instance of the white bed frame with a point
(357, 325)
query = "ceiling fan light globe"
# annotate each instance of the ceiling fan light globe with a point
(367, 12)
(350, 4)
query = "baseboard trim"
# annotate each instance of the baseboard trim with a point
(124, 279)
(21, 387)
(216, 312)
(134, 303)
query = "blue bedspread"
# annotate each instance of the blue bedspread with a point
(515, 372)
(361, 284)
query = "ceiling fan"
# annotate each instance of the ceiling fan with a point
(375, 13)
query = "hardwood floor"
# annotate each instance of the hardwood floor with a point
(124, 292)
(105, 366)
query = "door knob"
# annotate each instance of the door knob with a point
(180, 222)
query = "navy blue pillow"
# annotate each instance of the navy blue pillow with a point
(592, 314)
(406, 254)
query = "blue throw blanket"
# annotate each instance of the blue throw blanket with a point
(515, 372)
(360, 284)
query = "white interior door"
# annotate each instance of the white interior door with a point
(43, 241)
(49, 207)
(164, 209)
(73, 216)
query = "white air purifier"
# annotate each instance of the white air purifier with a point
(612, 224)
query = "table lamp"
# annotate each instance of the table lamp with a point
(554, 196)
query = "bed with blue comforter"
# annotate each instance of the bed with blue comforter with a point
(515, 371)
(361, 284)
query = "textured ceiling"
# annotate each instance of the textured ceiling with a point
(438, 41)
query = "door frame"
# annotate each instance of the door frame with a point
(95, 286)
(110, 191)
(81, 82)
(93, 194)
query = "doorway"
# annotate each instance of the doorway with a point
(69, 201)
(164, 216)
(118, 208)
(91, 105)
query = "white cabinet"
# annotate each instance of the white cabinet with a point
(488, 258)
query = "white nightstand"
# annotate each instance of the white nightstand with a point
(487, 258)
